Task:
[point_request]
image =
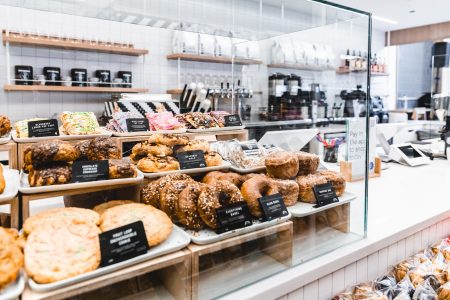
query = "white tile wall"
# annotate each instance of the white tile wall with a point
(372, 266)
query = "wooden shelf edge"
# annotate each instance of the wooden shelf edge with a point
(74, 89)
(299, 67)
(179, 91)
(68, 45)
(213, 59)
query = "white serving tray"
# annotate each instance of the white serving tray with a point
(26, 189)
(246, 171)
(208, 236)
(302, 209)
(62, 136)
(5, 139)
(177, 240)
(15, 289)
(216, 129)
(148, 133)
(12, 180)
(223, 167)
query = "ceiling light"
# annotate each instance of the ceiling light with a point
(384, 20)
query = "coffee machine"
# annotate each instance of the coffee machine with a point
(354, 102)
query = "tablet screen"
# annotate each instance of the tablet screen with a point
(410, 152)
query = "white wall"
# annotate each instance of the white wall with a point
(152, 71)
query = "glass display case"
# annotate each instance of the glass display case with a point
(280, 67)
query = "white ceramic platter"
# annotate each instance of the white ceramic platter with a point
(216, 129)
(246, 171)
(62, 137)
(15, 289)
(302, 209)
(5, 139)
(12, 184)
(148, 133)
(223, 167)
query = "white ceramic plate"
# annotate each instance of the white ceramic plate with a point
(216, 129)
(208, 236)
(223, 167)
(26, 189)
(302, 209)
(15, 289)
(5, 139)
(12, 180)
(62, 137)
(177, 240)
(148, 133)
(249, 170)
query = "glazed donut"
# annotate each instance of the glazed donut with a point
(282, 165)
(150, 193)
(168, 199)
(195, 145)
(141, 150)
(154, 164)
(187, 213)
(288, 189)
(231, 177)
(255, 188)
(169, 139)
(213, 159)
(215, 196)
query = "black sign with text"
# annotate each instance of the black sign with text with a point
(43, 128)
(232, 120)
(233, 216)
(191, 159)
(273, 207)
(137, 124)
(325, 194)
(122, 243)
(85, 171)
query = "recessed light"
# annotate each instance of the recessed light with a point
(384, 20)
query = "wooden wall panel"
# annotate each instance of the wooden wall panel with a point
(434, 32)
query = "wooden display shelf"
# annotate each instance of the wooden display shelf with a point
(346, 71)
(279, 247)
(77, 89)
(71, 43)
(213, 59)
(179, 91)
(298, 67)
(11, 148)
(172, 269)
(13, 215)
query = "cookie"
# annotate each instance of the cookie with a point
(157, 224)
(101, 208)
(62, 249)
(55, 214)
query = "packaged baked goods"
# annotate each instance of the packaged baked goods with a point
(79, 123)
(118, 122)
(307, 163)
(163, 121)
(5, 125)
(425, 291)
(61, 249)
(243, 155)
(444, 291)
(21, 127)
(157, 224)
(11, 257)
(2, 180)
(282, 165)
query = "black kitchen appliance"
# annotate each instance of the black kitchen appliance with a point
(104, 78)
(79, 77)
(126, 78)
(24, 75)
(52, 75)
(352, 98)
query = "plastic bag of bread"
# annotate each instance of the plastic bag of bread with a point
(402, 296)
(343, 296)
(444, 292)
(401, 269)
(386, 285)
(426, 291)
(244, 155)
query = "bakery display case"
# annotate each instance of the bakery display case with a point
(237, 168)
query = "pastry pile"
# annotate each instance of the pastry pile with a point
(198, 120)
(5, 125)
(157, 154)
(11, 257)
(79, 123)
(423, 276)
(64, 242)
(50, 162)
(21, 127)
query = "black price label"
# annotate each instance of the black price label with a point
(137, 124)
(232, 120)
(123, 243)
(43, 128)
(325, 194)
(273, 207)
(191, 159)
(233, 216)
(85, 171)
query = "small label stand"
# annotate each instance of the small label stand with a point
(346, 170)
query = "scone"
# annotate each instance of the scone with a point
(55, 173)
(119, 168)
(282, 165)
(101, 208)
(153, 164)
(62, 249)
(288, 189)
(336, 180)
(55, 214)
(307, 163)
(306, 185)
(157, 224)
(102, 148)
